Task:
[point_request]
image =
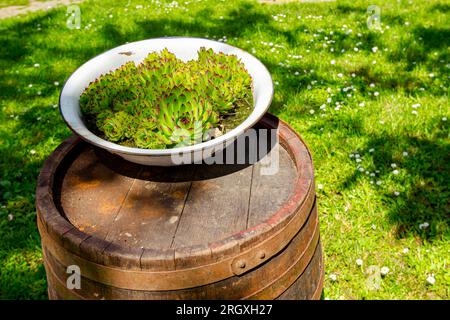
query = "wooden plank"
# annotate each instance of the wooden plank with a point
(216, 207)
(270, 192)
(150, 214)
(92, 193)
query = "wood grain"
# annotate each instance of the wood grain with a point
(215, 208)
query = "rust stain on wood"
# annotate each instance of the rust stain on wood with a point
(78, 183)
(106, 207)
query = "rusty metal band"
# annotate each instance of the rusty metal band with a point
(183, 278)
(288, 277)
(270, 291)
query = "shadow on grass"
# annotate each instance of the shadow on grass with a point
(441, 7)
(425, 177)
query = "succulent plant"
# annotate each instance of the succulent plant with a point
(165, 102)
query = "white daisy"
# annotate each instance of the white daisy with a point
(424, 225)
(431, 280)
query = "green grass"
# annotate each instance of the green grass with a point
(360, 214)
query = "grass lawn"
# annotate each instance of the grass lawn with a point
(371, 104)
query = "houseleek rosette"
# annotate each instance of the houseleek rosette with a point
(165, 102)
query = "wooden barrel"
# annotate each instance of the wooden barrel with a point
(188, 232)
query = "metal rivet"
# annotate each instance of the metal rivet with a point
(241, 264)
(261, 255)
